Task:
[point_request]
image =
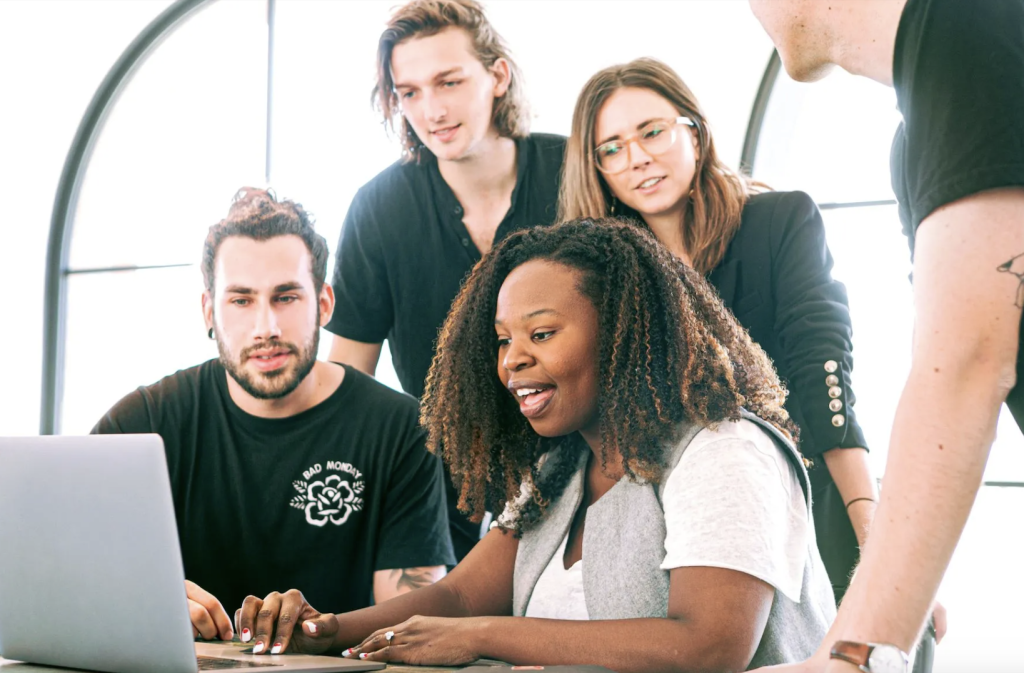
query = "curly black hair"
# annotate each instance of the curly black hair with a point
(669, 352)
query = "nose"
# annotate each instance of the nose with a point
(266, 326)
(516, 358)
(434, 107)
(638, 158)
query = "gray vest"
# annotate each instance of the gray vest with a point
(624, 541)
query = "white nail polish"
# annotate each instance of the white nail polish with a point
(258, 648)
(276, 649)
(363, 655)
(312, 627)
(347, 653)
(246, 636)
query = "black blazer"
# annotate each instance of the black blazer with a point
(776, 278)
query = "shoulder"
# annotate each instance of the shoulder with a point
(735, 451)
(779, 208)
(392, 189)
(389, 405)
(548, 150)
(145, 408)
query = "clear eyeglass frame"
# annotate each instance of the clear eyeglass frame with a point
(653, 145)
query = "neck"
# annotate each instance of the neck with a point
(319, 384)
(489, 171)
(668, 229)
(864, 36)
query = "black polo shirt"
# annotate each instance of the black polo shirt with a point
(404, 251)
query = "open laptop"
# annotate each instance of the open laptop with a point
(90, 567)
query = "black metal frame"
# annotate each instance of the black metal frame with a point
(66, 199)
(764, 93)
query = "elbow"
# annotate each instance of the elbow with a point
(715, 655)
(986, 368)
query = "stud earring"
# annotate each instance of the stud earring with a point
(209, 334)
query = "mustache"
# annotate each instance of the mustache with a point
(269, 345)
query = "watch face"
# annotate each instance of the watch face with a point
(887, 659)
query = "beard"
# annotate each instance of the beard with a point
(276, 384)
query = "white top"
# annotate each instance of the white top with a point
(733, 501)
(559, 592)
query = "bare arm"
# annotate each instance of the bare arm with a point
(850, 470)
(964, 355)
(390, 583)
(716, 618)
(362, 356)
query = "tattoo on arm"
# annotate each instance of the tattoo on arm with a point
(407, 579)
(1015, 267)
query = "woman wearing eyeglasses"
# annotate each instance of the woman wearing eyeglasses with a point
(641, 148)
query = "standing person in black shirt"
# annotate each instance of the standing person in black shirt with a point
(287, 471)
(957, 170)
(470, 174)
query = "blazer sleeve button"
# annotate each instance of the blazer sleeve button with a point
(838, 420)
(835, 405)
(835, 391)
(831, 380)
(831, 366)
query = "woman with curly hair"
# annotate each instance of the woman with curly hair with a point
(641, 148)
(656, 514)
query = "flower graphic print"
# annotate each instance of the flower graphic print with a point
(331, 500)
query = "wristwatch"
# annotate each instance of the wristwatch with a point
(871, 657)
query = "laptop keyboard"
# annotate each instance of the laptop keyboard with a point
(217, 663)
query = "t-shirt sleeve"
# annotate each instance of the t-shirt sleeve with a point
(415, 529)
(733, 501)
(957, 75)
(363, 309)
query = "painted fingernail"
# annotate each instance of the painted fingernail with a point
(363, 655)
(276, 649)
(246, 635)
(258, 648)
(311, 626)
(347, 653)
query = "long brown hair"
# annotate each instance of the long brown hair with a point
(423, 18)
(668, 353)
(718, 195)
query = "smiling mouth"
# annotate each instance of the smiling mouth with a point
(534, 401)
(649, 182)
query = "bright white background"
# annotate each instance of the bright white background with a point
(191, 128)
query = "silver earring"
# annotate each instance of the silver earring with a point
(615, 202)
(209, 334)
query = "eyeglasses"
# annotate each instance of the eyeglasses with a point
(656, 137)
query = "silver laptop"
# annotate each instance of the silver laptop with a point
(90, 568)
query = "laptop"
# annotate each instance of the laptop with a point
(90, 567)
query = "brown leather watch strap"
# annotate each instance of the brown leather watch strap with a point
(851, 652)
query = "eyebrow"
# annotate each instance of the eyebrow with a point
(534, 314)
(638, 127)
(283, 287)
(457, 70)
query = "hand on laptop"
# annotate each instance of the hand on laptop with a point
(270, 624)
(209, 618)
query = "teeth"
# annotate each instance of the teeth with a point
(649, 183)
(523, 392)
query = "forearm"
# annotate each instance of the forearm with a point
(944, 427)
(437, 600)
(624, 645)
(850, 471)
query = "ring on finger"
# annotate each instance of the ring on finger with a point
(388, 636)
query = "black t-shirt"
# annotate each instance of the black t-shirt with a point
(404, 251)
(958, 70)
(316, 502)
